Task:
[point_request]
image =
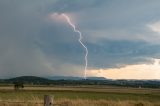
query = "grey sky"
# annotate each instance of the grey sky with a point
(117, 33)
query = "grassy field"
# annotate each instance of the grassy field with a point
(83, 95)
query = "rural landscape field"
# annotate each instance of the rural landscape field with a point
(79, 52)
(80, 96)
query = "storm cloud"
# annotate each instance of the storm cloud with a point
(115, 32)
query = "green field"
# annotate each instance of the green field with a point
(91, 93)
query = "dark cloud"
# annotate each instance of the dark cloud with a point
(31, 44)
(107, 54)
(72, 6)
(113, 53)
(19, 25)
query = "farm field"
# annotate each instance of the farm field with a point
(81, 95)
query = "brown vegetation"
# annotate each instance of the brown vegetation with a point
(80, 102)
(80, 96)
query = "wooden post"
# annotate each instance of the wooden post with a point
(48, 100)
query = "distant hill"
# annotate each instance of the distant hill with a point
(74, 78)
(33, 80)
(29, 80)
(96, 78)
(64, 78)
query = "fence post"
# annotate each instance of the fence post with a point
(48, 100)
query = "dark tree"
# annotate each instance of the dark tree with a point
(18, 85)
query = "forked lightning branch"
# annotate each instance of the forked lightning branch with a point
(80, 41)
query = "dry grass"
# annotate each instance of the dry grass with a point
(79, 102)
(86, 88)
(82, 102)
(81, 96)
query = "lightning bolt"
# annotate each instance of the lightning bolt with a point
(80, 41)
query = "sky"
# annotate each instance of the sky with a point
(122, 37)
